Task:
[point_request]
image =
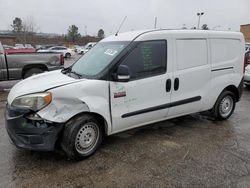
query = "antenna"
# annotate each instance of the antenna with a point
(121, 25)
(155, 22)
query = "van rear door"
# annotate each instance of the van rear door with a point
(191, 75)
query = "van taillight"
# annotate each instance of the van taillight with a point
(61, 59)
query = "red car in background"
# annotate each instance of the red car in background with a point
(11, 50)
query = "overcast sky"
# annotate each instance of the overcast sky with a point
(54, 16)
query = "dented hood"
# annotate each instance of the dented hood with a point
(40, 83)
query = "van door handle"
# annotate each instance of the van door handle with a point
(168, 85)
(176, 84)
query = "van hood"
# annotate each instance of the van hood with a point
(40, 83)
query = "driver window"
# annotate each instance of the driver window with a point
(147, 59)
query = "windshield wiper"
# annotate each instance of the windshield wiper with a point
(75, 73)
(66, 70)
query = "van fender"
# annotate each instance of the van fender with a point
(63, 109)
(99, 105)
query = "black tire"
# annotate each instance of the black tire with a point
(31, 72)
(224, 106)
(67, 55)
(76, 131)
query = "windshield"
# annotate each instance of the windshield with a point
(98, 58)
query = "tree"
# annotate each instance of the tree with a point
(101, 34)
(29, 29)
(73, 33)
(204, 27)
(24, 30)
(17, 25)
(29, 26)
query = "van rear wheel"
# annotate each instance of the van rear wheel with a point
(224, 106)
(81, 137)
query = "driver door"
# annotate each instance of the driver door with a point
(144, 98)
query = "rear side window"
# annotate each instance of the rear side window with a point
(191, 53)
(223, 50)
(147, 59)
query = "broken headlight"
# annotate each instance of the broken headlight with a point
(33, 102)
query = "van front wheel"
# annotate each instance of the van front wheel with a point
(81, 137)
(224, 106)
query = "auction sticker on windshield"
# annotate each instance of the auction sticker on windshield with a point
(110, 52)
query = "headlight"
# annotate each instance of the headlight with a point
(33, 101)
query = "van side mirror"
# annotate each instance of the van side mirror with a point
(123, 73)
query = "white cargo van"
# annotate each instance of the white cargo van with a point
(127, 81)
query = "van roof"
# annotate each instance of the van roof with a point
(131, 35)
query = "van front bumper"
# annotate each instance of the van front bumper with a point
(25, 133)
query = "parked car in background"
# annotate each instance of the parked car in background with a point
(247, 54)
(86, 48)
(11, 49)
(17, 66)
(28, 46)
(7, 47)
(67, 52)
(38, 46)
(19, 46)
(247, 76)
(44, 46)
(76, 48)
(247, 69)
(247, 47)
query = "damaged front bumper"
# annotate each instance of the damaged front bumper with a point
(29, 132)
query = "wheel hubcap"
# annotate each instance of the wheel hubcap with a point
(226, 106)
(86, 138)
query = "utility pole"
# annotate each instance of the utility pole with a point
(85, 28)
(199, 14)
(155, 22)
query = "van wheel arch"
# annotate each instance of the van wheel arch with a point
(234, 90)
(99, 117)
